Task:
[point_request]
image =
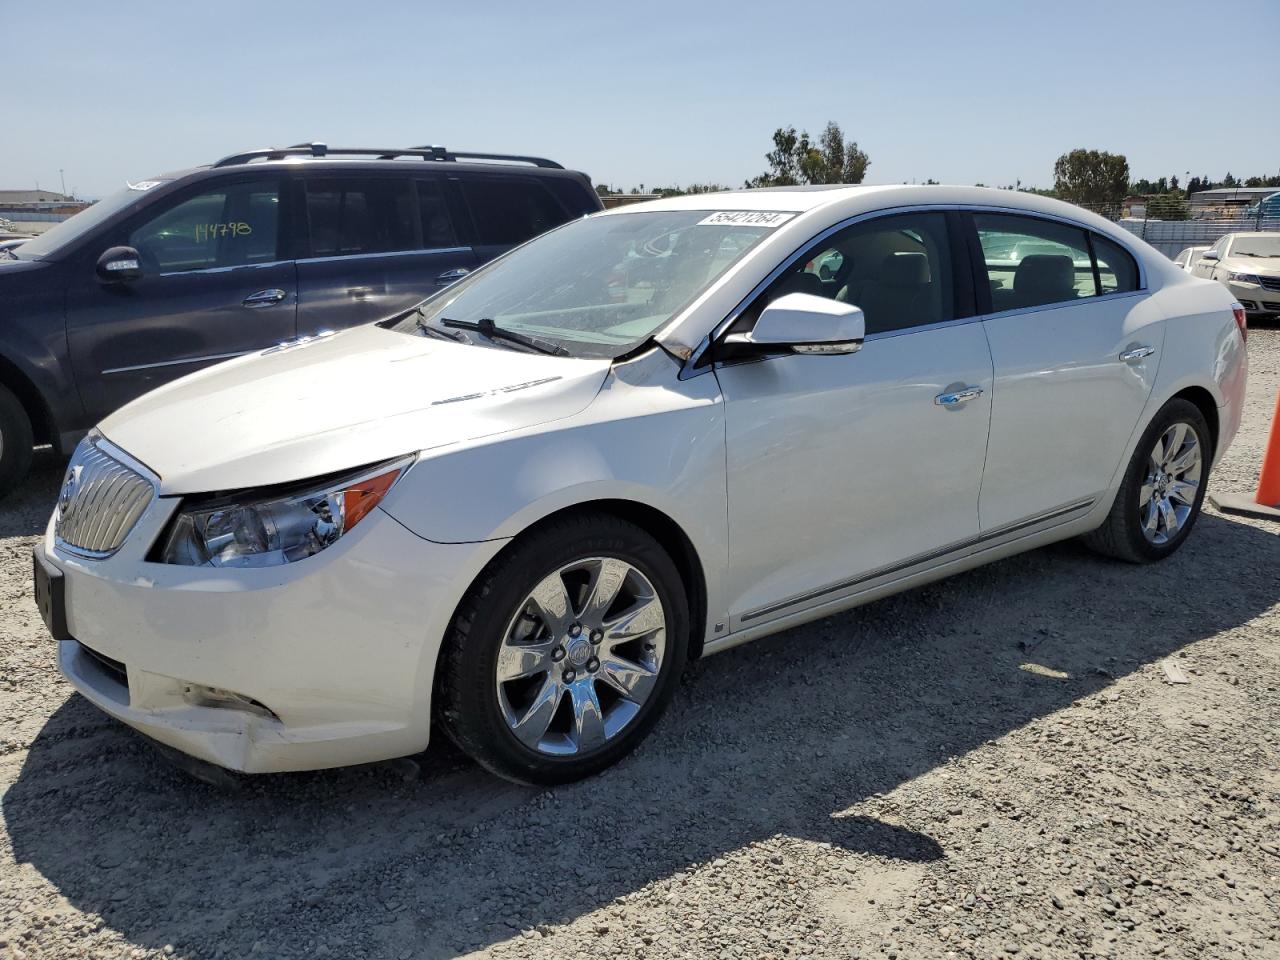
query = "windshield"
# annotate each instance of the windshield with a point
(597, 287)
(1247, 246)
(74, 227)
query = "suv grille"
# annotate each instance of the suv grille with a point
(1270, 283)
(101, 500)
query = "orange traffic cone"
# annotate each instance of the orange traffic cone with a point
(1266, 502)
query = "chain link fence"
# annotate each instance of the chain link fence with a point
(1171, 237)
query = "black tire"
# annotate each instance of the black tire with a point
(1121, 534)
(466, 702)
(16, 441)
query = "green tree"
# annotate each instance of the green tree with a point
(1168, 206)
(796, 159)
(1091, 177)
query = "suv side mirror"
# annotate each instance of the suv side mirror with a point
(119, 265)
(801, 323)
(1209, 255)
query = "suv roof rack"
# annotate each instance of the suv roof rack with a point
(428, 152)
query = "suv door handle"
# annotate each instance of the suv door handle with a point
(1137, 353)
(958, 398)
(264, 298)
(449, 276)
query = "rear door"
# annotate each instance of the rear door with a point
(1075, 348)
(373, 245)
(217, 282)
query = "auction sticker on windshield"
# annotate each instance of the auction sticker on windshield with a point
(746, 218)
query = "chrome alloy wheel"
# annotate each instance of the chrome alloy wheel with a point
(1172, 481)
(581, 656)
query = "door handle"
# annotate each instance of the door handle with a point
(264, 298)
(958, 398)
(359, 293)
(1137, 353)
(449, 276)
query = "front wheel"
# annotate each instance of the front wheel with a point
(1163, 488)
(16, 441)
(565, 651)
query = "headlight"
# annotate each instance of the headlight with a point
(1242, 277)
(263, 529)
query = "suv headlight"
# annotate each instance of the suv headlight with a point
(268, 528)
(1242, 277)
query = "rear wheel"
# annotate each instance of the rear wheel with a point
(1163, 488)
(565, 652)
(16, 441)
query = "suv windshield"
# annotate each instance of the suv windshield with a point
(74, 227)
(598, 287)
(1247, 246)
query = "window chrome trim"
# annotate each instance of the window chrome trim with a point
(227, 269)
(384, 253)
(174, 363)
(691, 366)
(1062, 514)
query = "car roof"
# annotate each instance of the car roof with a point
(366, 163)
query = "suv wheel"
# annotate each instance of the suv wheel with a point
(16, 441)
(1163, 488)
(565, 652)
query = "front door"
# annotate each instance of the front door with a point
(848, 471)
(1076, 347)
(375, 245)
(216, 283)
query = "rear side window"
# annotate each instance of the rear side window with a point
(228, 226)
(350, 216)
(1117, 270)
(508, 211)
(1031, 262)
(437, 226)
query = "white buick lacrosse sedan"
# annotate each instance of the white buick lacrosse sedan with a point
(518, 510)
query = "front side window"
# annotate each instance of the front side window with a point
(897, 269)
(348, 216)
(599, 286)
(1031, 262)
(231, 225)
(508, 211)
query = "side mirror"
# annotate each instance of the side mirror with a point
(119, 265)
(1209, 255)
(801, 323)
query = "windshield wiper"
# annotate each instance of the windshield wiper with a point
(491, 331)
(434, 331)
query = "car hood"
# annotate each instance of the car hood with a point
(338, 402)
(1267, 266)
(11, 267)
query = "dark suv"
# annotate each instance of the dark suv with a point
(184, 270)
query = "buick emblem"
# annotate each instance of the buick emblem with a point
(68, 491)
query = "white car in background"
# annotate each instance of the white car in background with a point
(517, 510)
(1187, 257)
(1247, 264)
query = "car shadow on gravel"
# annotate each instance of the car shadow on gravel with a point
(781, 738)
(27, 508)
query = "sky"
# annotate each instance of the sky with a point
(652, 93)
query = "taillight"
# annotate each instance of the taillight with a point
(1241, 320)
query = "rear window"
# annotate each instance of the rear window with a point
(510, 210)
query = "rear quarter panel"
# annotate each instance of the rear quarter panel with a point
(1202, 348)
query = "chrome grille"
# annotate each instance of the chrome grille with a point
(101, 500)
(1270, 283)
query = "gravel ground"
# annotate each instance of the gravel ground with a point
(993, 766)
